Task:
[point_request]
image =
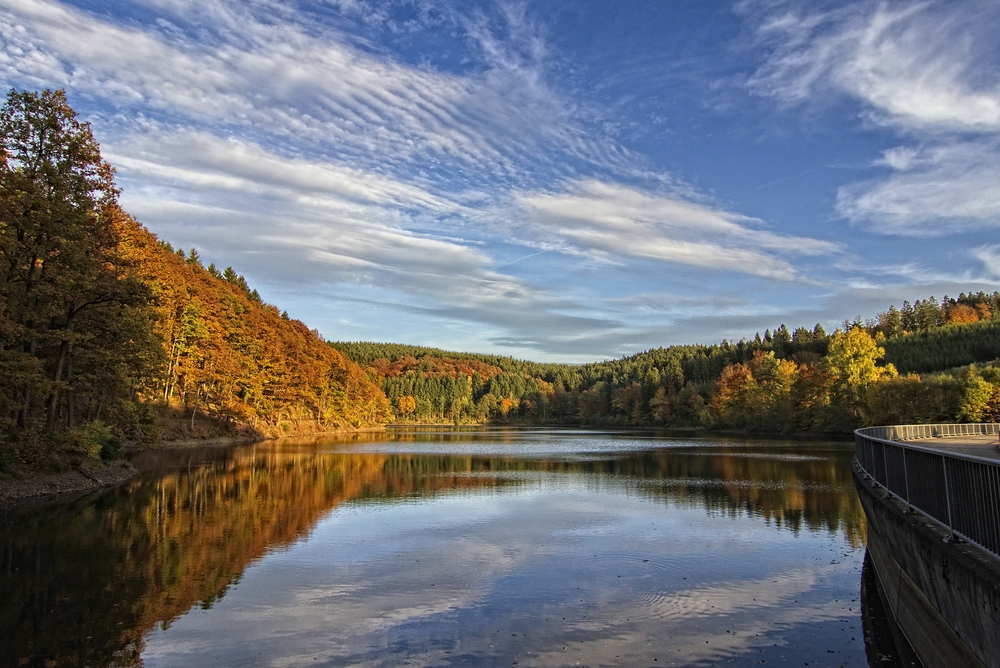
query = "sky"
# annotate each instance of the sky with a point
(550, 180)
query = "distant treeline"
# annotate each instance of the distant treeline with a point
(109, 335)
(783, 381)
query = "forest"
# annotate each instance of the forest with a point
(929, 361)
(109, 336)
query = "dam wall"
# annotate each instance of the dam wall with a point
(942, 589)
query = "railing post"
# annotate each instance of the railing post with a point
(906, 481)
(947, 499)
(885, 467)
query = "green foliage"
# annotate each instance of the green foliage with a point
(135, 422)
(914, 400)
(801, 380)
(975, 398)
(95, 440)
(609, 392)
(945, 347)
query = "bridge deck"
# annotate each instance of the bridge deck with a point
(982, 445)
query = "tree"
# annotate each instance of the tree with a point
(852, 363)
(59, 255)
(756, 395)
(406, 405)
(976, 395)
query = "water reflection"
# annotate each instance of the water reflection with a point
(885, 644)
(445, 548)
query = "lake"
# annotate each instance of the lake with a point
(442, 547)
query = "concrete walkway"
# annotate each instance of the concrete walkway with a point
(985, 445)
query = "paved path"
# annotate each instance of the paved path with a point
(981, 446)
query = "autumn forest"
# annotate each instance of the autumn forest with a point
(108, 336)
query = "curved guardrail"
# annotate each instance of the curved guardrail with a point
(958, 491)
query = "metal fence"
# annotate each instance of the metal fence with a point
(961, 492)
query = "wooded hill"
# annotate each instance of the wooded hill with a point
(783, 381)
(106, 333)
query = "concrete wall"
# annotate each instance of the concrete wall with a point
(944, 596)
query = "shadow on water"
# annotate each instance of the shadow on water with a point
(82, 584)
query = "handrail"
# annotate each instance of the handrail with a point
(960, 492)
(908, 432)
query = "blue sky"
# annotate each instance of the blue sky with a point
(563, 181)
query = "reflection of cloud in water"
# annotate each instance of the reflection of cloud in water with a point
(739, 596)
(562, 444)
(637, 644)
(737, 612)
(493, 579)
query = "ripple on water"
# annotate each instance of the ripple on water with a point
(672, 606)
(644, 563)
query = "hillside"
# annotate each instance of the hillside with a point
(945, 347)
(783, 381)
(107, 335)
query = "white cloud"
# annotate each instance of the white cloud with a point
(900, 158)
(309, 223)
(238, 193)
(935, 191)
(298, 84)
(928, 70)
(989, 255)
(611, 221)
(197, 160)
(919, 65)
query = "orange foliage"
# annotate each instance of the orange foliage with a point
(959, 313)
(406, 404)
(237, 359)
(434, 367)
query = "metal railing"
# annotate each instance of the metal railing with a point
(958, 491)
(907, 432)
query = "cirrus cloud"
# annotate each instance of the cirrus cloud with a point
(611, 221)
(925, 70)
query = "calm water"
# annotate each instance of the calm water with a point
(528, 548)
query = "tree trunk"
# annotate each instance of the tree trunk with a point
(50, 421)
(100, 404)
(22, 414)
(194, 409)
(69, 389)
(172, 360)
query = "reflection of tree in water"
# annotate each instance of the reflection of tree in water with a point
(815, 492)
(82, 584)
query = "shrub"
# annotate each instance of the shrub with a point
(94, 440)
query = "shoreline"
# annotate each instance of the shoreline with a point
(64, 485)
(82, 482)
(79, 482)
